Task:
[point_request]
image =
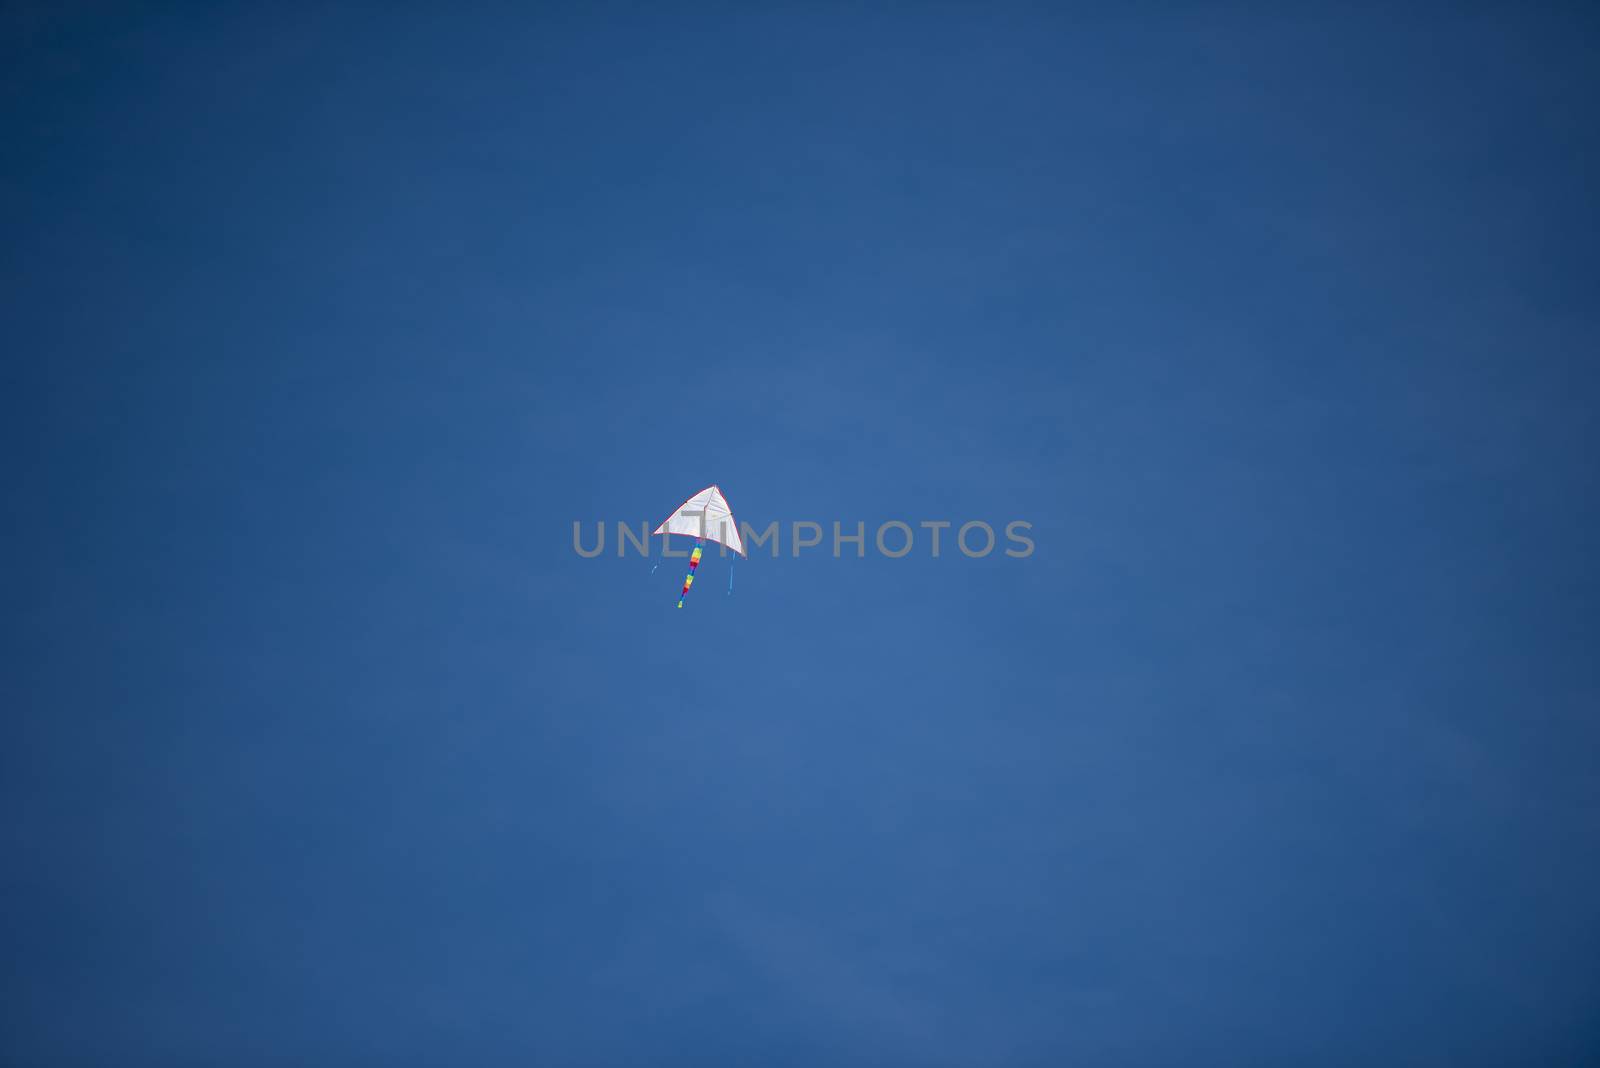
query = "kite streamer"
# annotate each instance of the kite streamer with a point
(694, 562)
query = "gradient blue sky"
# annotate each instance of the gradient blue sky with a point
(321, 746)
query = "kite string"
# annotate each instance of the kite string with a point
(730, 576)
(658, 559)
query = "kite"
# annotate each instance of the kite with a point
(705, 517)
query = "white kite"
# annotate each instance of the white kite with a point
(705, 517)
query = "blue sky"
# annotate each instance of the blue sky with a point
(321, 746)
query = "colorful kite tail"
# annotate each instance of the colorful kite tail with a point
(694, 562)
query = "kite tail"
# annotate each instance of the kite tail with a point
(730, 576)
(694, 562)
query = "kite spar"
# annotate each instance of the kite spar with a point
(705, 517)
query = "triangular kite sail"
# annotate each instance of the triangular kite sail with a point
(706, 517)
